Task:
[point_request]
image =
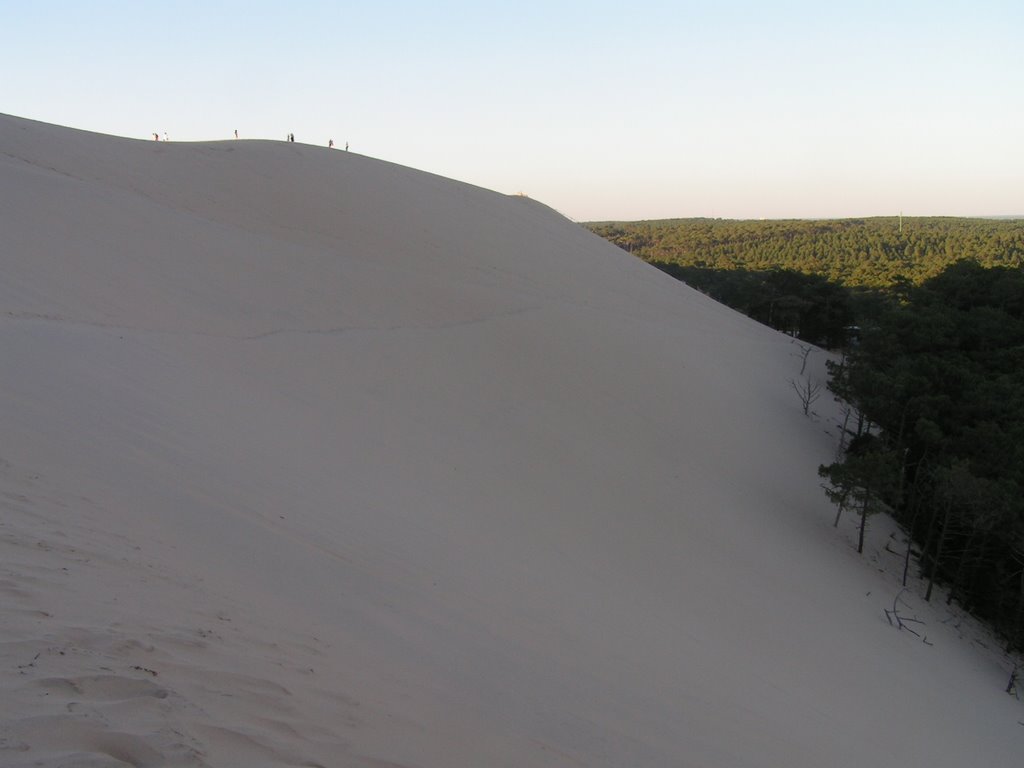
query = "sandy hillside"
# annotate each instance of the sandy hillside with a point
(311, 459)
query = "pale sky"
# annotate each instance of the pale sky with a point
(601, 110)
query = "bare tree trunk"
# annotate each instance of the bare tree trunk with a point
(842, 506)
(957, 589)
(805, 350)
(914, 504)
(842, 434)
(910, 544)
(930, 534)
(808, 391)
(863, 519)
(1018, 634)
(938, 554)
(906, 559)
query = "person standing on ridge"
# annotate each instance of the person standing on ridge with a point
(330, 143)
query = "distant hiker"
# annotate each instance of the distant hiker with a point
(291, 137)
(236, 133)
(330, 144)
(156, 137)
(346, 146)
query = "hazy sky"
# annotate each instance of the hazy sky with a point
(602, 110)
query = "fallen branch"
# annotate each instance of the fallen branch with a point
(903, 622)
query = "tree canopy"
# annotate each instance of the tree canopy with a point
(873, 252)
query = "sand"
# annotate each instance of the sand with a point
(311, 459)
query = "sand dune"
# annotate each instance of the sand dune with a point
(310, 459)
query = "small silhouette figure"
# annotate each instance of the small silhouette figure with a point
(330, 144)
(156, 137)
(236, 133)
(346, 146)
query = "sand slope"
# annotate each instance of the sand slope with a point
(310, 459)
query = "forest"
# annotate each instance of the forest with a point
(929, 322)
(859, 253)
